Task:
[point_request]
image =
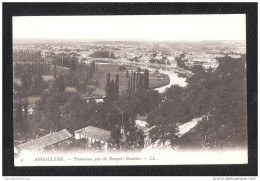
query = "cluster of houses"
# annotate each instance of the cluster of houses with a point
(206, 63)
(94, 135)
(55, 140)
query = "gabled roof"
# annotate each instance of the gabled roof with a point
(94, 132)
(46, 140)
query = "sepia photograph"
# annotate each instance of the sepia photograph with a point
(129, 90)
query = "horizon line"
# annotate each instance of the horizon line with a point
(109, 40)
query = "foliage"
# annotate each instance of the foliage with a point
(221, 94)
(38, 85)
(59, 84)
(101, 54)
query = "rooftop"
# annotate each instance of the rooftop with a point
(94, 132)
(46, 140)
(141, 118)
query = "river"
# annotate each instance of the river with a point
(174, 80)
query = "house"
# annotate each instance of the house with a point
(31, 108)
(52, 140)
(93, 135)
(45, 53)
(141, 122)
(96, 99)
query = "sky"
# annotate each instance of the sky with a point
(134, 27)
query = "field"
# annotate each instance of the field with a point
(103, 69)
(101, 76)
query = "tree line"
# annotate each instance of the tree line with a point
(137, 80)
(31, 69)
(27, 56)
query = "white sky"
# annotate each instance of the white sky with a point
(136, 27)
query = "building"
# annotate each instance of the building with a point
(93, 135)
(96, 99)
(49, 141)
(31, 108)
(141, 122)
(45, 53)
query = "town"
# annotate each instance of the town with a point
(117, 96)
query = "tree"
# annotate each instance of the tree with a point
(93, 66)
(141, 82)
(54, 70)
(137, 81)
(18, 118)
(112, 56)
(117, 86)
(128, 85)
(140, 139)
(96, 68)
(165, 132)
(25, 117)
(52, 114)
(38, 85)
(107, 88)
(131, 131)
(73, 64)
(127, 74)
(174, 92)
(101, 54)
(218, 97)
(141, 102)
(131, 82)
(134, 83)
(90, 71)
(59, 84)
(116, 136)
(26, 81)
(146, 79)
(112, 89)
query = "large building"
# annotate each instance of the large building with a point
(93, 135)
